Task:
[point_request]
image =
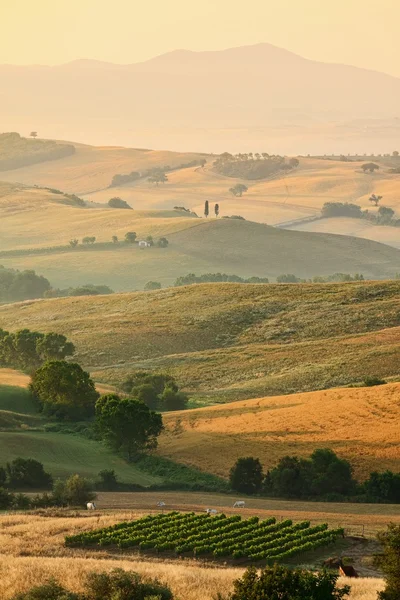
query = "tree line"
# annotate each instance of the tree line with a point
(253, 166)
(324, 476)
(384, 215)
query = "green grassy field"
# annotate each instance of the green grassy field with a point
(16, 399)
(66, 454)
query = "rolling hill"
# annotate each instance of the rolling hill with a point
(230, 341)
(195, 246)
(197, 100)
(362, 425)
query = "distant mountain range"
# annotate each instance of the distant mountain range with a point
(259, 98)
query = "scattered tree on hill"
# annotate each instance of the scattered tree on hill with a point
(130, 237)
(64, 390)
(54, 346)
(289, 278)
(162, 242)
(216, 210)
(172, 399)
(88, 240)
(117, 202)
(385, 215)
(114, 239)
(27, 473)
(371, 167)
(150, 240)
(287, 584)
(73, 243)
(389, 562)
(33, 134)
(375, 199)
(27, 350)
(118, 180)
(75, 491)
(158, 177)
(238, 190)
(158, 391)
(152, 285)
(127, 425)
(341, 209)
(206, 209)
(21, 285)
(246, 476)
(203, 162)
(395, 154)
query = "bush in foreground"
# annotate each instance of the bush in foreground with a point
(281, 583)
(116, 585)
(389, 562)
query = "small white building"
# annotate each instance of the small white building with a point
(144, 244)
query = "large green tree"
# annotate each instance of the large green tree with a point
(127, 424)
(64, 390)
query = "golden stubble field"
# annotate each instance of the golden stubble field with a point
(360, 424)
(31, 551)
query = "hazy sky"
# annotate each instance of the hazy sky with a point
(358, 32)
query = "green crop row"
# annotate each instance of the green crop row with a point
(218, 536)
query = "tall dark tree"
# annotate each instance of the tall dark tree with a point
(246, 475)
(216, 210)
(127, 425)
(206, 209)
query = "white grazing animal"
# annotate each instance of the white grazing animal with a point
(211, 511)
(239, 504)
(161, 504)
(90, 506)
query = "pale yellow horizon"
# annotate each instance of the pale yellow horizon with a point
(356, 32)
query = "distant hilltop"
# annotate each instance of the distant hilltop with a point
(233, 100)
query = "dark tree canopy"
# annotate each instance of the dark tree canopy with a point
(158, 391)
(21, 285)
(117, 202)
(27, 473)
(64, 390)
(246, 475)
(127, 424)
(27, 350)
(288, 584)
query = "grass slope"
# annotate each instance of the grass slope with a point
(240, 247)
(360, 424)
(64, 454)
(231, 341)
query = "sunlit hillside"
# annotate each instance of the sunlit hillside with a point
(92, 168)
(361, 424)
(195, 246)
(231, 341)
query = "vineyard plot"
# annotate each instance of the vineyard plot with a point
(217, 537)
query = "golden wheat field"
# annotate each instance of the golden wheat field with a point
(31, 551)
(361, 424)
(93, 167)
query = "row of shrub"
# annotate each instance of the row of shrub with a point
(249, 166)
(324, 476)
